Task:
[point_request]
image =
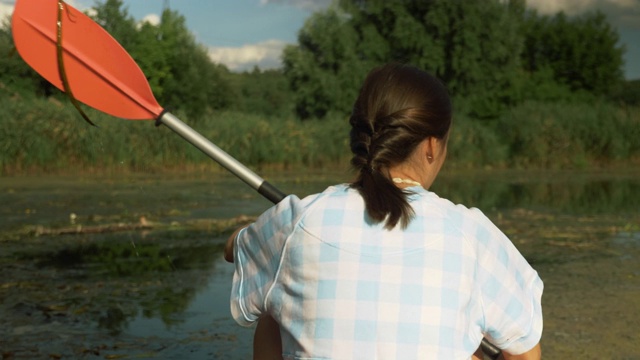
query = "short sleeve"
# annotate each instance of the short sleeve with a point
(257, 256)
(510, 290)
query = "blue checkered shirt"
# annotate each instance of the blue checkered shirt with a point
(342, 287)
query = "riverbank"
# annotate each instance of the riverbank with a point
(49, 137)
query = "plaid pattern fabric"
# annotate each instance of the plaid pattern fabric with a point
(343, 288)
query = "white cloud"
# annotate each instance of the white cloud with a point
(78, 4)
(7, 6)
(626, 3)
(554, 6)
(153, 19)
(303, 4)
(621, 13)
(6, 9)
(265, 55)
(577, 6)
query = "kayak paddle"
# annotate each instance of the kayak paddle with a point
(103, 75)
(79, 57)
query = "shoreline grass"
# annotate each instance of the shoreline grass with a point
(47, 137)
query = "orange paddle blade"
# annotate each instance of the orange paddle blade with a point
(99, 70)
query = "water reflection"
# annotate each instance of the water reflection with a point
(626, 244)
(119, 255)
(565, 193)
(208, 308)
(627, 239)
(154, 276)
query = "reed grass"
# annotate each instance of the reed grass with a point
(570, 135)
(41, 135)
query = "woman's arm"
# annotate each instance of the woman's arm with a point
(267, 344)
(228, 248)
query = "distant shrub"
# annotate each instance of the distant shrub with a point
(50, 136)
(473, 143)
(568, 135)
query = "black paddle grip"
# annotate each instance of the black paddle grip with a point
(271, 192)
(490, 350)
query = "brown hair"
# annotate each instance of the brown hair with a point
(398, 107)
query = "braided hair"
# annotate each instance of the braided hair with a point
(397, 108)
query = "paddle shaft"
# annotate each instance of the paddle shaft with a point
(221, 157)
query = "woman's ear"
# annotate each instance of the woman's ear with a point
(431, 147)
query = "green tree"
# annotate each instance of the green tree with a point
(323, 69)
(179, 70)
(582, 52)
(262, 92)
(477, 46)
(16, 77)
(193, 83)
(114, 17)
(150, 52)
(473, 46)
(628, 93)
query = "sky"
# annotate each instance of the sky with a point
(244, 33)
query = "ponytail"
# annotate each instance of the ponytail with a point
(398, 107)
(383, 199)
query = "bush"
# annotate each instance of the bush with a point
(50, 136)
(568, 135)
(473, 144)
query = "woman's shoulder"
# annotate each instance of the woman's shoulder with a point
(430, 202)
(339, 193)
(473, 224)
(336, 201)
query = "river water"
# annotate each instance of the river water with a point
(74, 287)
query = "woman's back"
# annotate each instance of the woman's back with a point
(341, 286)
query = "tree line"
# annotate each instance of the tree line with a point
(492, 55)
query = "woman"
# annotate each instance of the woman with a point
(382, 268)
